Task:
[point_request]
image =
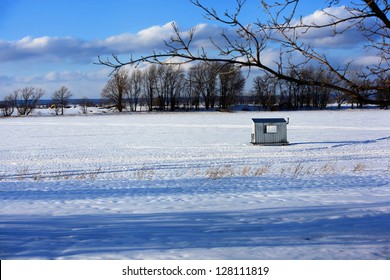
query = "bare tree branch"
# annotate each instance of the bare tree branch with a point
(245, 45)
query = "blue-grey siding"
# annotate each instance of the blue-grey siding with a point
(260, 134)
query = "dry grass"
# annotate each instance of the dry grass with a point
(246, 170)
(93, 175)
(359, 167)
(328, 168)
(302, 170)
(23, 173)
(260, 171)
(146, 172)
(228, 171)
(298, 170)
(220, 172)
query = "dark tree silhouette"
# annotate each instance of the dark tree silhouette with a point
(116, 89)
(61, 98)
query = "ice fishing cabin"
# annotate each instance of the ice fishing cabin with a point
(269, 131)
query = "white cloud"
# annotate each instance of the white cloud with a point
(100, 74)
(45, 49)
(74, 49)
(147, 39)
(342, 36)
(322, 17)
(119, 43)
(88, 83)
(367, 60)
(155, 34)
(77, 50)
(64, 76)
(33, 43)
(51, 76)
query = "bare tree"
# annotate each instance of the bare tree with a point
(27, 99)
(190, 92)
(9, 104)
(170, 81)
(264, 90)
(161, 88)
(150, 85)
(177, 83)
(134, 88)
(232, 83)
(196, 78)
(204, 79)
(61, 98)
(208, 81)
(383, 95)
(281, 27)
(211, 70)
(84, 103)
(340, 98)
(312, 95)
(116, 88)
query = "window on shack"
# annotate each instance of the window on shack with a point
(271, 129)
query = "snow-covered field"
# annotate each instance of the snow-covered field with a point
(191, 186)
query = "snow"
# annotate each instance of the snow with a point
(191, 186)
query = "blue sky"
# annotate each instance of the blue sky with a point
(50, 43)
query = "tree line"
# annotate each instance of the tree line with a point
(212, 85)
(270, 92)
(206, 85)
(169, 87)
(25, 100)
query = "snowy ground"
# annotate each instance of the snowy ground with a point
(191, 186)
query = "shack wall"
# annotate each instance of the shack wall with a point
(262, 135)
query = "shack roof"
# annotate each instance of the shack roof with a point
(269, 120)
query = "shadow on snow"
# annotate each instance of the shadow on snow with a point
(51, 237)
(337, 144)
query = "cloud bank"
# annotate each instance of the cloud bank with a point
(59, 60)
(343, 36)
(78, 50)
(153, 38)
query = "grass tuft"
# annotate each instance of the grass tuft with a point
(359, 167)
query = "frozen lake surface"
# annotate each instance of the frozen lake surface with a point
(191, 186)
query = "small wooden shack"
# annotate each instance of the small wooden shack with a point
(269, 131)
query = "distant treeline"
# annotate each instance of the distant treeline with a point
(204, 86)
(210, 85)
